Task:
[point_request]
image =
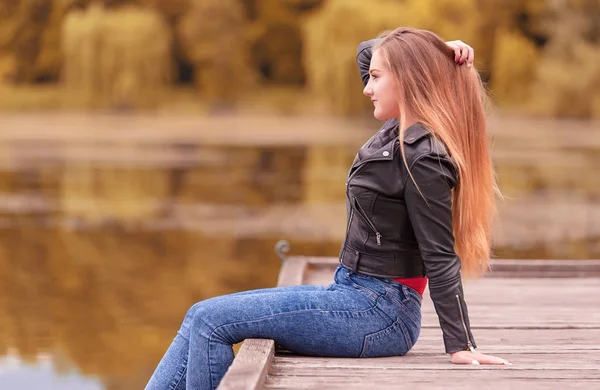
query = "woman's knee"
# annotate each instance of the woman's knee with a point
(190, 318)
(204, 316)
(192, 310)
(211, 318)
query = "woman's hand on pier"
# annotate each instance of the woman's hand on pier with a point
(468, 357)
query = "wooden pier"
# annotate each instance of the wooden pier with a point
(543, 315)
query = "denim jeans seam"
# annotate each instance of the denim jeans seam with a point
(406, 310)
(409, 291)
(404, 305)
(392, 294)
(271, 316)
(386, 331)
(210, 370)
(407, 335)
(183, 374)
(372, 294)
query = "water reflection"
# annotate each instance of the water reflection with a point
(42, 375)
(110, 299)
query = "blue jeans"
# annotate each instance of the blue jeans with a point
(355, 316)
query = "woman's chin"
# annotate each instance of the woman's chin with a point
(380, 116)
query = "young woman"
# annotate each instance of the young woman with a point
(420, 201)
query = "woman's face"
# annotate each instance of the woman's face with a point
(382, 89)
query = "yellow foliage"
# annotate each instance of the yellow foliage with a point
(514, 66)
(49, 60)
(8, 64)
(451, 19)
(211, 29)
(11, 14)
(333, 33)
(331, 36)
(116, 58)
(276, 40)
(277, 52)
(567, 82)
(212, 35)
(228, 43)
(29, 38)
(269, 11)
(170, 9)
(569, 87)
(300, 5)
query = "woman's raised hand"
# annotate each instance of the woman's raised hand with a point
(463, 53)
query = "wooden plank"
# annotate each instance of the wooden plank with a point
(405, 372)
(292, 272)
(320, 274)
(250, 367)
(572, 360)
(544, 268)
(523, 338)
(426, 385)
(527, 303)
(424, 380)
(515, 340)
(502, 302)
(377, 374)
(547, 325)
(521, 268)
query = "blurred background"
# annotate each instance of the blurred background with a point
(152, 152)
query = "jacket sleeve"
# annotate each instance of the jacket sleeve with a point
(431, 220)
(363, 58)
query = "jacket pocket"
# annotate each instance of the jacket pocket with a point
(394, 340)
(363, 215)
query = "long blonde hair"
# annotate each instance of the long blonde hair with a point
(449, 100)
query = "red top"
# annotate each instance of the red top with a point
(417, 284)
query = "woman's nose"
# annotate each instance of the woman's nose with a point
(367, 91)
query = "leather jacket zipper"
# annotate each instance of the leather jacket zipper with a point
(358, 166)
(363, 215)
(347, 230)
(462, 318)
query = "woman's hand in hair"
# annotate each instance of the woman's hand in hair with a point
(463, 53)
(468, 357)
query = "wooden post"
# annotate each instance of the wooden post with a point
(292, 271)
(250, 367)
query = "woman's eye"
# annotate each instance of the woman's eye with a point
(373, 76)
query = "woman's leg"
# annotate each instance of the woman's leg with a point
(352, 317)
(171, 371)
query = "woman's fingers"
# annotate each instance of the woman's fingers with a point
(467, 357)
(463, 53)
(471, 56)
(467, 54)
(488, 359)
(454, 45)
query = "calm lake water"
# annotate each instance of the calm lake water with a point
(113, 226)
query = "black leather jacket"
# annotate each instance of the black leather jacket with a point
(392, 232)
